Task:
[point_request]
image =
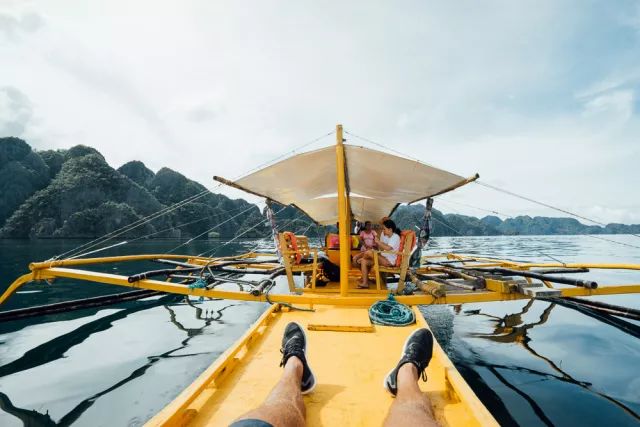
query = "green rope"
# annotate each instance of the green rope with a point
(391, 313)
(198, 284)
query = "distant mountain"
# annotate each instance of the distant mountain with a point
(75, 193)
(462, 225)
(22, 173)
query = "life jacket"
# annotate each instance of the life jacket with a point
(404, 234)
(293, 245)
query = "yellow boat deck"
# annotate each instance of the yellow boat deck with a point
(350, 358)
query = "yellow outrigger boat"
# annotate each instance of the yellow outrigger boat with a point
(349, 354)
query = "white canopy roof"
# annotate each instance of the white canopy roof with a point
(377, 182)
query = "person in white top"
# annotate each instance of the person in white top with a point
(389, 241)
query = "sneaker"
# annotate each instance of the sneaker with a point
(294, 343)
(417, 350)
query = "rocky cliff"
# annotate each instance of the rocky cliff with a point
(76, 193)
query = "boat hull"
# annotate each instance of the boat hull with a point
(350, 358)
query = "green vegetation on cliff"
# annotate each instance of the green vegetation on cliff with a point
(75, 193)
(22, 173)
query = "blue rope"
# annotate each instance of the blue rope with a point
(198, 284)
(391, 313)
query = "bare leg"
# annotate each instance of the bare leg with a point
(411, 407)
(357, 256)
(365, 264)
(284, 406)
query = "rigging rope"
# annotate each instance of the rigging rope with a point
(537, 250)
(362, 138)
(492, 187)
(509, 216)
(390, 312)
(180, 225)
(300, 147)
(124, 242)
(135, 224)
(261, 222)
(145, 236)
(212, 228)
(484, 184)
(108, 236)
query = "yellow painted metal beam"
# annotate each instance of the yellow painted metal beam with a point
(601, 290)
(516, 265)
(305, 299)
(25, 278)
(497, 290)
(104, 260)
(596, 266)
(343, 213)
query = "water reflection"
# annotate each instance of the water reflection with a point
(511, 328)
(514, 329)
(58, 347)
(530, 363)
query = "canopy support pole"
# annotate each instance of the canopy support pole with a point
(343, 221)
(274, 228)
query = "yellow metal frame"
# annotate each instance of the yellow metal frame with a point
(344, 222)
(497, 290)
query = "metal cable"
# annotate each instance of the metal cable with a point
(261, 222)
(362, 138)
(511, 217)
(510, 193)
(179, 225)
(537, 250)
(135, 224)
(212, 228)
(489, 186)
(168, 209)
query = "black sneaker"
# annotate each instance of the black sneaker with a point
(417, 350)
(294, 343)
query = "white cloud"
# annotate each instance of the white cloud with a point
(14, 27)
(618, 104)
(515, 91)
(16, 112)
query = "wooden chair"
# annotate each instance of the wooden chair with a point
(298, 257)
(407, 241)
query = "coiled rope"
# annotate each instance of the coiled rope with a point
(390, 312)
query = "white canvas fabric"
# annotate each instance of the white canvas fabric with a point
(377, 182)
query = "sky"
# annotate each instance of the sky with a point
(541, 98)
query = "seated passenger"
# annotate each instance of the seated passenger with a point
(389, 241)
(367, 241)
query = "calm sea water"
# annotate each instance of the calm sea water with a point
(531, 362)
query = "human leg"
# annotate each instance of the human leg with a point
(284, 405)
(365, 265)
(411, 406)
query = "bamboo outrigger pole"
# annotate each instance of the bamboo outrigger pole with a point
(344, 223)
